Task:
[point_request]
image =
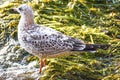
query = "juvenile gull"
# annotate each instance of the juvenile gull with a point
(43, 41)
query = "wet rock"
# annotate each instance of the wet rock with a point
(20, 73)
(14, 64)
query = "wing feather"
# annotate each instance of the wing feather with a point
(48, 40)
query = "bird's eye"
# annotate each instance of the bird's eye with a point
(20, 9)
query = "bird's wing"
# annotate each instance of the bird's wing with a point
(48, 40)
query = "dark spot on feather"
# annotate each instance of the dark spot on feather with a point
(36, 45)
(49, 46)
(39, 37)
(43, 37)
(54, 48)
(46, 37)
(42, 49)
(32, 42)
(58, 36)
(45, 34)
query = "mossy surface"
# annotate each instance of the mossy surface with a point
(91, 21)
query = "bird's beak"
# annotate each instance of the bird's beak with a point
(15, 9)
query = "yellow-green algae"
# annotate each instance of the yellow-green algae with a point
(91, 21)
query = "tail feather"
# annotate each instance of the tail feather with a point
(92, 47)
(79, 45)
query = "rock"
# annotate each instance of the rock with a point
(20, 73)
(14, 65)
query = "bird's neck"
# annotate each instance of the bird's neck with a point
(26, 22)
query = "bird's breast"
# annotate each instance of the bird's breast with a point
(23, 43)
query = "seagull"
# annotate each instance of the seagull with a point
(44, 41)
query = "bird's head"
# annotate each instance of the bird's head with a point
(24, 10)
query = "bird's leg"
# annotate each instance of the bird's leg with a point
(41, 65)
(44, 61)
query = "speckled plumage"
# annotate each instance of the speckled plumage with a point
(43, 40)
